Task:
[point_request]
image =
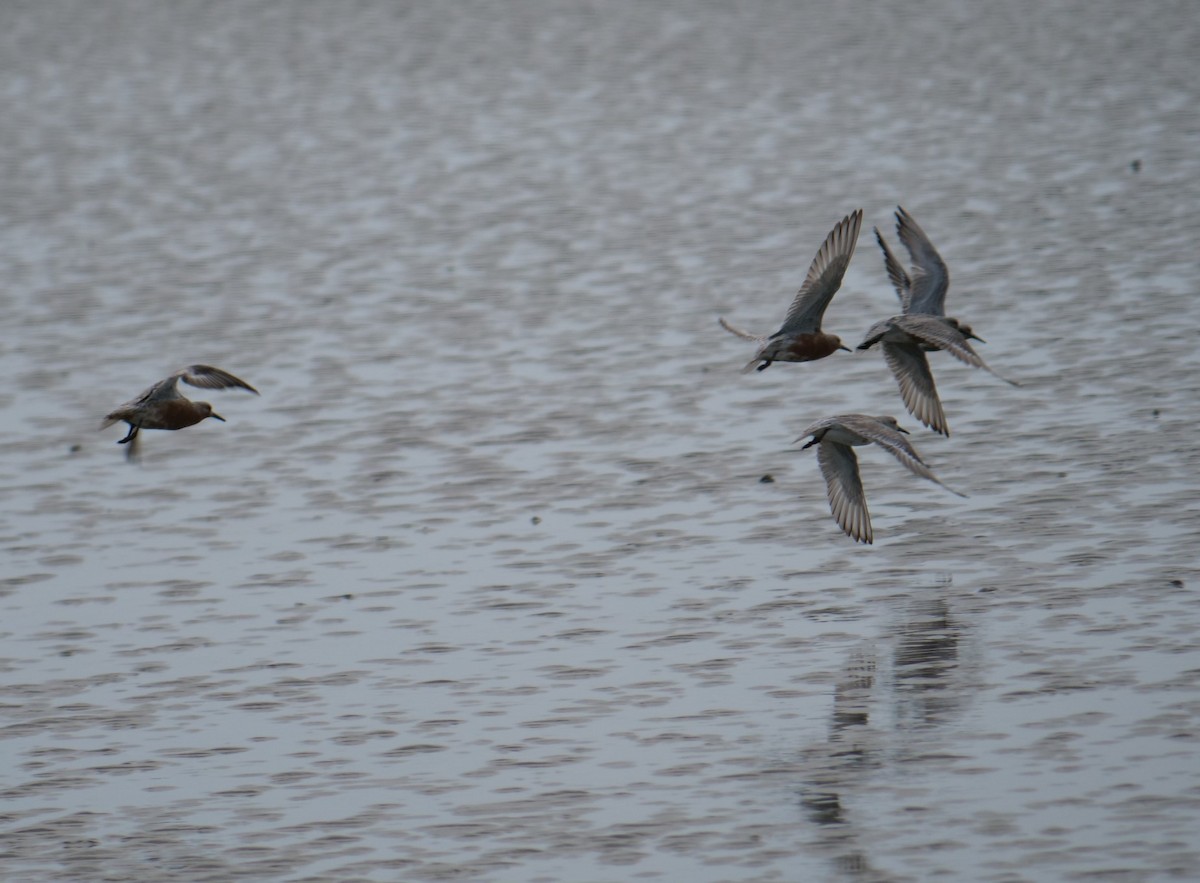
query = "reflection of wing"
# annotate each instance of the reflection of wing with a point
(911, 369)
(824, 277)
(844, 487)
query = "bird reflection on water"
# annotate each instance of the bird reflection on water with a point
(925, 688)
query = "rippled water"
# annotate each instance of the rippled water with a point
(488, 585)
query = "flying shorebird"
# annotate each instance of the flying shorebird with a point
(923, 325)
(800, 339)
(162, 406)
(834, 437)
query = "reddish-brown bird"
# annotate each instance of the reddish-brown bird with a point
(801, 339)
(162, 406)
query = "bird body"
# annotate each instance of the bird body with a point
(165, 414)
(800, 338)
(163, 406)
(923, 326)
(836, 437)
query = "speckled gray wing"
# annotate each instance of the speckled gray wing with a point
(930, 278)
(911, 370)
(824, 277)
(208, 377)
(933, 331)
(899, 447)
(844, 488)
(895, 272)
(875, 333)
(814, 428)
(936, 332)
(167, 388)
(894, 442)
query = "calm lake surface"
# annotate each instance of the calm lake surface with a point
(488, 583)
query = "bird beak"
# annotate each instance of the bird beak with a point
(902, 429)
(976, 337)
(214, 415)
(810, 443)
(846, 348)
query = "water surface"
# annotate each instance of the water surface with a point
(488, 584)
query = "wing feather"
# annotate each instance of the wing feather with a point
(911, 369)
(740, 332)
(930, 278)
(934, 332)
(208, 377)
(901, 448)
(844, 487)
(824, 277)
(939, 334)
(895, 272)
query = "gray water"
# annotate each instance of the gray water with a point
(486, 585)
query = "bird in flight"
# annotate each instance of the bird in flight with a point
(162, 406)
(922, 326)
(835, 438)
(800, 338)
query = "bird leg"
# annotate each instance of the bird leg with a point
(132, 434)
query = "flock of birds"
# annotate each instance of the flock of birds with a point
(921, 327)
